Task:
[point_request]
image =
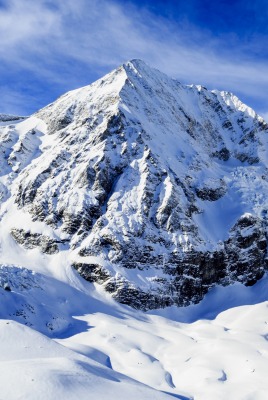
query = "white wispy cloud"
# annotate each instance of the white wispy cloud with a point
(64, 41)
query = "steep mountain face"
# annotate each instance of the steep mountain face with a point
(153, 189)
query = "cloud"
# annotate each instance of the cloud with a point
(70, 43)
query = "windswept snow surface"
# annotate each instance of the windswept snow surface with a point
(34, 367)
(95, 348)
(219, 355)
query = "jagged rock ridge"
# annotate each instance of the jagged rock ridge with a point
(159, 189)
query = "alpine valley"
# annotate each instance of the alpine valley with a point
(133, 244)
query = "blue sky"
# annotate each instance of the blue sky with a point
(48, 47)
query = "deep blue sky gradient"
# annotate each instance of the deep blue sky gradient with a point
(49, 47)
(242, 17)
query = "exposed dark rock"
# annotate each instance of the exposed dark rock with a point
(130, 176)
(31, 240)
(222, 154)
(92, 272)
(7, 287)
(61, 121)
(191, 274)
(211, 193)
(244, 157)
(126, 293)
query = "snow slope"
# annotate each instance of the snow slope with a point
(34, 367)
(97, 348)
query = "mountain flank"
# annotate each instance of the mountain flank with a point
(153, 189)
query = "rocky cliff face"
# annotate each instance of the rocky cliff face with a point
(153, 189)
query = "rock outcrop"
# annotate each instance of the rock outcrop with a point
(159, 188)
(31, 240)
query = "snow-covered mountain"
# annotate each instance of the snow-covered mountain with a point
(155, 192)
(8, 118)
(154, 189)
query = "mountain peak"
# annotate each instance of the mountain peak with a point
(155, 193)
(137, 65)
(146, 186)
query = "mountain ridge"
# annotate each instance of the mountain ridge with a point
(153, 189)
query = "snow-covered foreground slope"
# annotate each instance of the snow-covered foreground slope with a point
(34, 367)
(222, 359)
(97, 348)
(226, 357)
